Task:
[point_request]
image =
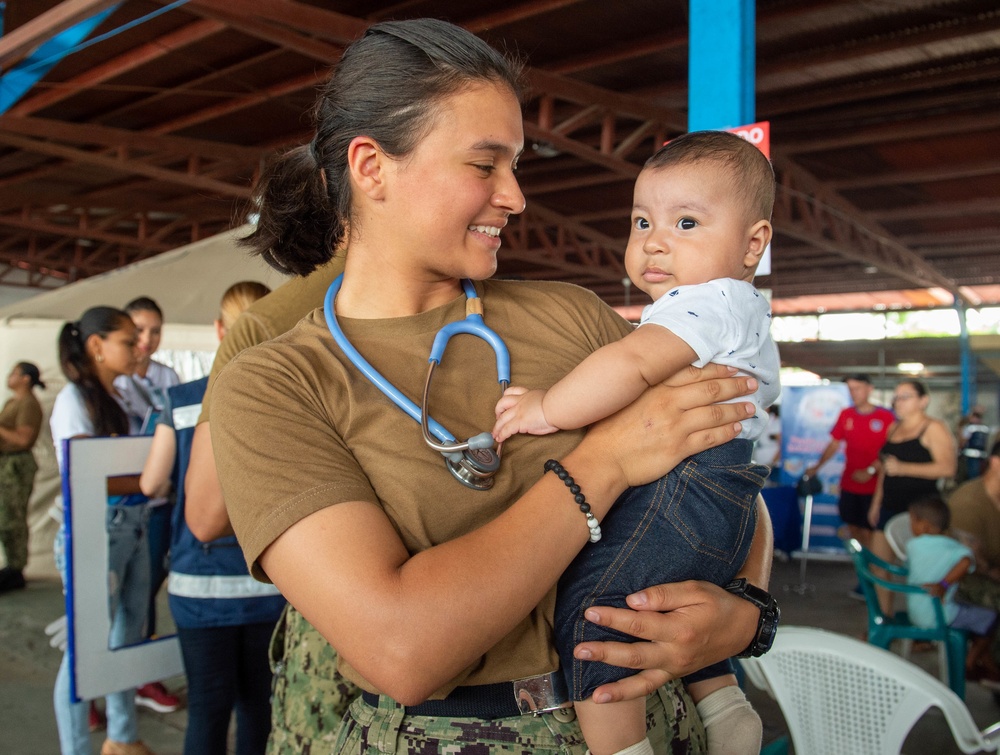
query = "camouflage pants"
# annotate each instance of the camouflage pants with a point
(17, 477)
(979, 590)
(309, 697)
(672, 724)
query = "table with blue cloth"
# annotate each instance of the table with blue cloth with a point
(786, 518)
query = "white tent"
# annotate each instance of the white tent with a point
(187, 283)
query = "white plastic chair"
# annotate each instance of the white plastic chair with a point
(898, 533)
(840, 695)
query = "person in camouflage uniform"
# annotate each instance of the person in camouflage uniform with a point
(20, 423)
(401, 87)
(310, 697)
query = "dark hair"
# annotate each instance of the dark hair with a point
(932, 509)
(108, 417)
(918, 386)
(860, 377)
(751, 171)
(386, 86)
(31, 371)
(143, 304)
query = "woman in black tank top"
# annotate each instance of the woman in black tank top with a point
(900, 490)
(918, 451)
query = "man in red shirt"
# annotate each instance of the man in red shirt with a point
(862, 429)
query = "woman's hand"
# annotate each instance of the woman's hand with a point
(874, 513)
(891, 465)
(670, 422)
(687, 625)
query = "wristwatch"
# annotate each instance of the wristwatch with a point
(770, 615)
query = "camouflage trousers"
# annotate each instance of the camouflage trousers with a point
(17, 477)
(309, 698)
(672, 724)
(979, 590)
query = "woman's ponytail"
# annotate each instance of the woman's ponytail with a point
(298, 226)
(108, 417)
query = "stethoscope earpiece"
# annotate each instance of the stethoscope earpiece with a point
(474, 462)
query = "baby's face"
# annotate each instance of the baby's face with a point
(689, 226)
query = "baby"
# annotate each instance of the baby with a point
(700, 223)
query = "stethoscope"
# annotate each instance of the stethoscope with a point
(475, 461)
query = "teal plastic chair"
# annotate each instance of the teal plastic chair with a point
(883, 629)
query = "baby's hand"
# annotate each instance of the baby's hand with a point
(520, 411)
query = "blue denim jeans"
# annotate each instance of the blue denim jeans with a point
(128, 601)
(697, 522)
(227, 667)
(158, 534)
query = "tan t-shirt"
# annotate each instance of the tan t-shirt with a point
(973, 512)
(25, 412)
(296, 428)
(271, 316)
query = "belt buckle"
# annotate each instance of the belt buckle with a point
(541, 694)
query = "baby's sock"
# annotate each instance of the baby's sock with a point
(732, 725)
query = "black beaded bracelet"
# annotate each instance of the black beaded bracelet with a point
(581, 500)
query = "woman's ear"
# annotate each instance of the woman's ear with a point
(93, 346)
(760, 237)
(366, 163)
(220, 330)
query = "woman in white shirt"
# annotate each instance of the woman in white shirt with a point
(93, 351)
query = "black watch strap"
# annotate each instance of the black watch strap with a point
(770, 615)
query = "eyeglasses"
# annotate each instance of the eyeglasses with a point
(904, 397)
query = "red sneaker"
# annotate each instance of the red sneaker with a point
(95, 718)
(154, 695)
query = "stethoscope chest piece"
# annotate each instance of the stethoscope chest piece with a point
(475, 461)
(475, 468)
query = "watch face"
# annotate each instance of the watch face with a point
(769, 619)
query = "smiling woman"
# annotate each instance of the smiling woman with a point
(93, 351)
(438, 597)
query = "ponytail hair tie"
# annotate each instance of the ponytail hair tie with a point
(74, 329)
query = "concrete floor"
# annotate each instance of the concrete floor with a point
(28, 665)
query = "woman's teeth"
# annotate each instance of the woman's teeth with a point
(489, 230)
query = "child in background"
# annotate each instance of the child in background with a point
(937, 563)
(700, 223)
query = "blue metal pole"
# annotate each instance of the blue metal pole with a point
(721, 65)
(968, 365)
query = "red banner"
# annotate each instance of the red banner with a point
(758, 134)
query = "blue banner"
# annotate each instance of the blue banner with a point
(808, 414)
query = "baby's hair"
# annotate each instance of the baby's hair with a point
(932, 509)
(751, 171)
(387, 86)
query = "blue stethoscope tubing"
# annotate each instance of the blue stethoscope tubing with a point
(474, 325)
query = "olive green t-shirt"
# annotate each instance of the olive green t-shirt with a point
(271, 316)
(297, 428)
(25, 412)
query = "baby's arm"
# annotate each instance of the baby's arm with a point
(606, 381)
